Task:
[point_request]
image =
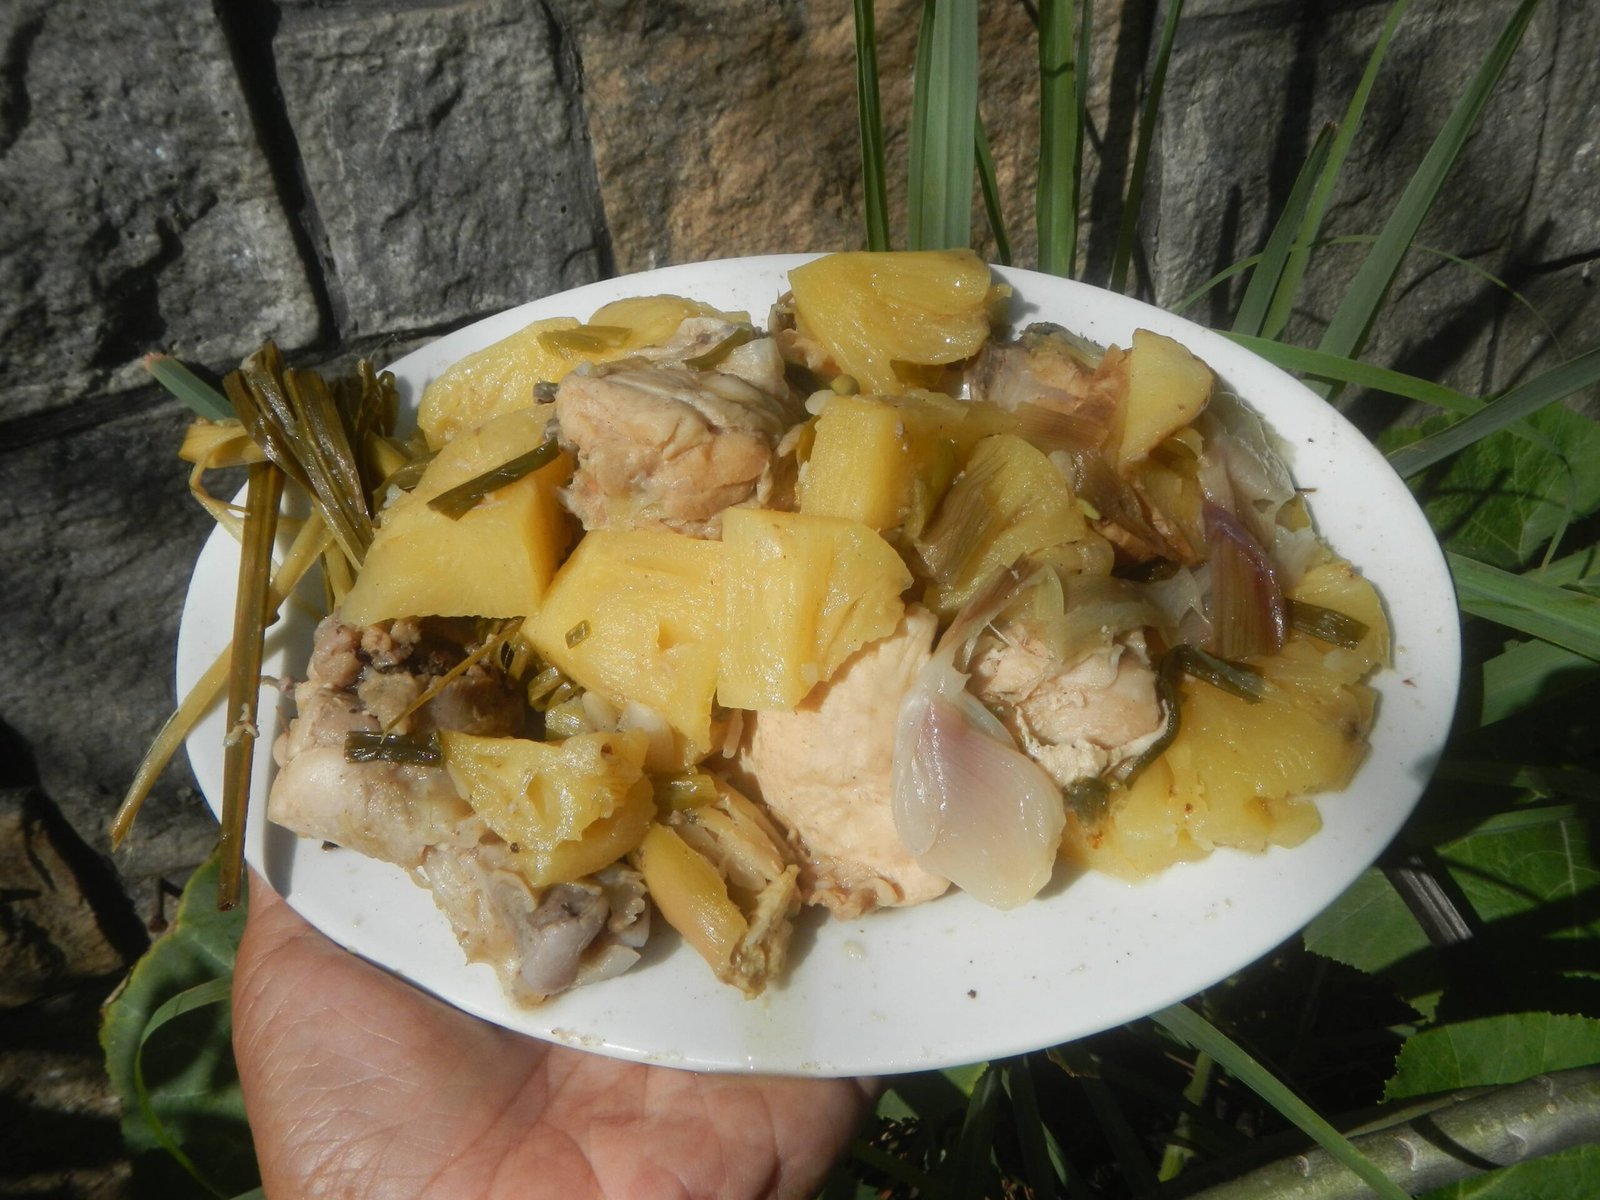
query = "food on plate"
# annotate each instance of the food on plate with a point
(672, 610)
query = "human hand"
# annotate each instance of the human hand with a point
(359, 1085)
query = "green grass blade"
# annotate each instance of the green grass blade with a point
(1190, 1027)
(1126, 1147)
(990, 186)
(1040, 1158)
(1521, 401)
(1059, 140)
(972, 1171)
(874, 191)
(1128, 222)
(1294, 269)
(1343, 370)
(1269, 270)
(944, 107)
(183, 383)
(1565, 618)
(1353, 319)
(1529, 673)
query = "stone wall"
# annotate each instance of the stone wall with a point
(351, 177)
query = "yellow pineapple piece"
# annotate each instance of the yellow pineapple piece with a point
(651, 320)
(567, 808)
(493, 561)
(634, 615)
(800, 594)
(873, 310)
(1240, 774)
(1149, 830)
(1167, 389)
(887, 460)
(500, 378)
(1008, 503)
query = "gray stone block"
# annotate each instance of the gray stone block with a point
(443, 159)
(99, 537)
(136, 209)
(1250, 85)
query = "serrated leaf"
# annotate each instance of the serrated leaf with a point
(1371, 929)
(1506, 875)
(1501, 499)
(159, 1031)
(1493, 1050)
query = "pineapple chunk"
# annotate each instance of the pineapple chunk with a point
(1240, 774)
(1010, 502)
(546, 796)
(1167, 389)
(500, 378)
(633, 615)
(651, 320)
(800, 594)
(1149, 831)
(885, 460)
(872, 311)
(495, 560)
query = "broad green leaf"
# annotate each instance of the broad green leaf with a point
(1543, 868)
(944, 113)
(874, 189)
(1347, 331)
(169, 1055)
(1502, 499)
(1370, 928)
(1565, 617)
(1286, 285)
(1524, 400)
(1501, 1049)
(1128, 222)
(1060, 139)
(1571, 1173)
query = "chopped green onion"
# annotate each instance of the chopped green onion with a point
(1090, 798)
(742, 335)
(1326, 625)
(463, 498)
(1234, 678)
(416, 750)
(1127, 770)
(676, 792)
(577, 633)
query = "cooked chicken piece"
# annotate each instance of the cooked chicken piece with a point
(756, 361)
(539, 941)
(1074, 719)
(667, 446)
(1051, 368)
(825, 772)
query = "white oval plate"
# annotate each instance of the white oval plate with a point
(951, 981)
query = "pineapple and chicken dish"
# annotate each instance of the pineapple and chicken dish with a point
(874, 601)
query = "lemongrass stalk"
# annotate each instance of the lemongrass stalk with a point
(264, 492)
(312, 539)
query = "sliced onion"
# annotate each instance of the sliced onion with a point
(1248, 613)
(967, 803)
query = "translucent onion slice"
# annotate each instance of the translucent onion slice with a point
(967, 803)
